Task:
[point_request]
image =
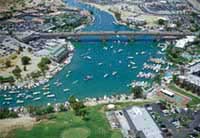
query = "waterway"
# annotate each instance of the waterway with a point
(95, 59)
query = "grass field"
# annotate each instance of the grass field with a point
(195, 99)
(67, 125)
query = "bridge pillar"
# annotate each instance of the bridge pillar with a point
(77, 38)
(158, 38)
(103, 38)
(130, 38)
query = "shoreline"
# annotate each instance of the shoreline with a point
(41, 80)
(100, 7)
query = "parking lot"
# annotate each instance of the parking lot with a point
(175, 122)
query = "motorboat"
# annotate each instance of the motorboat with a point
(37, 98)
(51, 96)
(66, 90)
(105, 75)
(88, 77)
(19, 101)
(114, 73)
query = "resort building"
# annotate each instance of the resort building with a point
(191, 77)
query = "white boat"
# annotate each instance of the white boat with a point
(50, 95)
(114, 73)
(28, 97)
(74, 82)
(120, 50)
(67, 76)
(105, 75)
(66, 90)
(36, 93)
(99, 64)
(8, 99)
(7, 103)
(88, 57)
(133, 63)
(69, 71)
(46, 93)
(45, 88)
(13, 92)
(47, 85)
(105, 48)
(37, 98)
(130, 57)
(134, 67)
(88, 77)
(21, 95)
(20, 101)
(59, 84)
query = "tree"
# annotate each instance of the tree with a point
(137, 91)
(43, 65)
(9, 79)
(35, 75)
(5, 113)
(25, 60)
(25, 69)
(161, 22)
(8, 63)
(20, 49)
(158, 78)
(174, 78)
(17, 72)
(72, 100)
(77, 106)
(49, 109)
(29, 49)
(62, 108)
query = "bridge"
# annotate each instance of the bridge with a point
(104, 35)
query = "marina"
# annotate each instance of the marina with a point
(94, 69)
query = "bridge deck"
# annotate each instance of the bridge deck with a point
(110, 33)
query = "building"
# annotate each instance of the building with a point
(191, 78)
(141, 123)
(183, 42)
(134, 122)
(59, 53)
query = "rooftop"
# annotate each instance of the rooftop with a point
(143, 122)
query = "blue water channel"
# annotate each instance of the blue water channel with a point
(104, 58)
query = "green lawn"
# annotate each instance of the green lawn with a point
(67, 125)
(195, 99)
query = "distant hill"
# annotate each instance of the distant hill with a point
(7, 5)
